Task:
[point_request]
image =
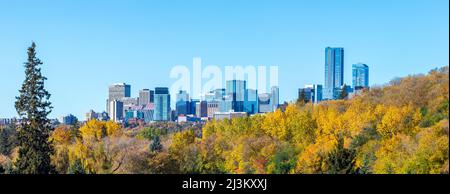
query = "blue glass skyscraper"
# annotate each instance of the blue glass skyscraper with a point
(182, 103)
(334, 70)
(360, 75)
(251, 102)
(237, 89)
(162, 104)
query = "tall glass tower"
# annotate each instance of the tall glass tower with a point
(334, 70)
(237, 89)
(162, 104)
(275, 97)
(360, 75)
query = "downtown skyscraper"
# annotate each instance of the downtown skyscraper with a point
(237, 89)
(116, 93)
(334, 71)
(146, 96)
(360, 76)
(162, 104)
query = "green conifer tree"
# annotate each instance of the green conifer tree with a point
(33, 107)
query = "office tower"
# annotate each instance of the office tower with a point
(91, 115)
(237, 90)
(212, 107)
(116, 110)
(264, 103)
(219, 94)
(201, 109)
(162, 104)
(334, 70)
(68, 119)
(338, 91)
(313, 93)
(117, 92)
(182, 103)
(251, 102)
(209, 96)
(152, 96)
(360, 75)
(103, 116)
(145, 97)
(182, 95)
(274, 98)
(192, 106)
(182, 108)
(225, 104)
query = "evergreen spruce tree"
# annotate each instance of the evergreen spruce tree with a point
(343, 93)
(156, 144)
(7, 139)
(33, 107)
(341, 160)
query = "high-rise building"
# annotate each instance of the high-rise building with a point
(145, 97)
(182, 103)
(100, 116)
(313, 93)
(182, 108)
(360, 75)
(192, 106)
(116, 110)
(103, 116)
(275, 97)
(225, 104)
(212, 107)
(182, 95)
(91, 115)
(117, 92)
(334, 70)
(264, 103)
(209, 96)
(162, 104)
(251, 102)
(68, 119)
(237, 90)
(201, 109)
(219, 93)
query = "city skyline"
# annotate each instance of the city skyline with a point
(81, 72)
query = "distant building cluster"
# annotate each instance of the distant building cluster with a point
(68, 119)
(334, 79)
(150, 105)
(103, 116)
(235, 100)
(7, 121)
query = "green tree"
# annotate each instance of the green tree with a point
(33, 107)
(7, 139)
(76, 168)
(156, 146)
(343, 93)
(341, 160)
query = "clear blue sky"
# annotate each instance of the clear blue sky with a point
(88, 44)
